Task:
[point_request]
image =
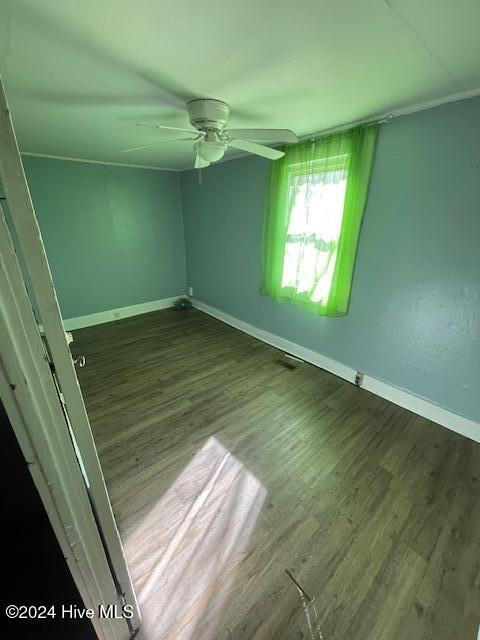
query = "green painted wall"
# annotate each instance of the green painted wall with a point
(113, 235)
(414, 318)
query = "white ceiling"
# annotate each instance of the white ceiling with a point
(80, 73)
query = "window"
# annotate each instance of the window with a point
(315, 206)
(311, 245)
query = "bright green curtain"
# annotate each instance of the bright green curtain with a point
(317, 194)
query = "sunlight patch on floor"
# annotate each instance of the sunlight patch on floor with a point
(184, 555)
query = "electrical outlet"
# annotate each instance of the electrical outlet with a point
(190, 292)
(359, 378)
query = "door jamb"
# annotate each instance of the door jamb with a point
(33, 406)
(15, 303)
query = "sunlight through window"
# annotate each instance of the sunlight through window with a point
(313, 232)
(185, 553)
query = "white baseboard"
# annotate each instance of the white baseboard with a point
(423, 407)
(80, 322)
(313, 357)
(401, 397)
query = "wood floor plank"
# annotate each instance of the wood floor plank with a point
(227, 464)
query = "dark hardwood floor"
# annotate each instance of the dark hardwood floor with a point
(226, 467)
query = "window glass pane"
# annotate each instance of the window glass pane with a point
(306, 268)
(313, 231)
(290, 264)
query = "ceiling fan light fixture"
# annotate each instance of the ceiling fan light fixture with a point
(211, 151)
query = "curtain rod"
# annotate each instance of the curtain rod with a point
(350, 125)
(385, 118)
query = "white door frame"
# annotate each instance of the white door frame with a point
(82, 518)
(33, 407)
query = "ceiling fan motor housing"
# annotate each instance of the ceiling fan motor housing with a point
(208, 114)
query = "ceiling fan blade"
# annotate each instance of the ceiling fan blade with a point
(162, 126)
(154, 144)
(266, 135)
(257, 149)
(200, 163)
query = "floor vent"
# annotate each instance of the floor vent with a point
(286, 364)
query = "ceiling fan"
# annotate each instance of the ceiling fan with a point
(211, 137)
